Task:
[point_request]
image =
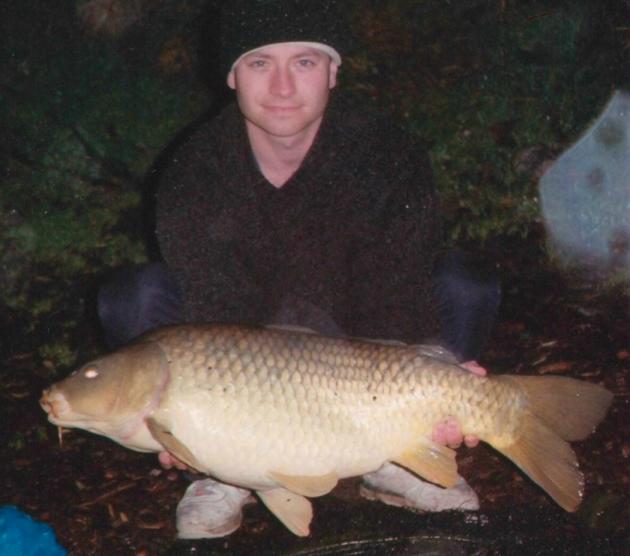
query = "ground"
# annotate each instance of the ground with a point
(102, 499)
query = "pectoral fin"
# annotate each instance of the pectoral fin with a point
(172, 445)
(293, 510)
(431, 461)
(307, 485)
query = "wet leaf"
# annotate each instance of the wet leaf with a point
(558, 367)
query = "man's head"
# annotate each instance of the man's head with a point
(281, 57)
(247, 25)
(283, 89)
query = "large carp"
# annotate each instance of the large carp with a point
(288, 413)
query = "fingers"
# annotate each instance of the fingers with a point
(474, 367)
(471, 441)
(448, 433)
(165, 460)
(168, 461)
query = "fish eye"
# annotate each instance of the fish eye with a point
(90, 372)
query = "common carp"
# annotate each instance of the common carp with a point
(288, 413)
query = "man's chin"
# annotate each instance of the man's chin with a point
(290, 131)
(284, 130)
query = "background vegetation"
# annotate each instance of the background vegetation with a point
(91, 92)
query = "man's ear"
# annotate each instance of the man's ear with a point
(332, 75)
(231, 80)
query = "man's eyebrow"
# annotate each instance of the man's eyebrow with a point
(256, 55)
(299, 54)
(309, 51)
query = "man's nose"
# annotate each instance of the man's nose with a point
(282, 83)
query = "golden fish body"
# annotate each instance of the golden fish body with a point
(301, 404)
(289, 412)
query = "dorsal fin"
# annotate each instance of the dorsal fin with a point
(436, 352)
(291, 328)
(428, 350)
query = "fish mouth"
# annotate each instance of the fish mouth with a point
(54, 404)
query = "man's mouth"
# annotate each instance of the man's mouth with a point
(281, 109)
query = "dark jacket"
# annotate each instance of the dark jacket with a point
(354, 232)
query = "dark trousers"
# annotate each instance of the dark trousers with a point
(136, 299)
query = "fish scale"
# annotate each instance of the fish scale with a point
(288, 413)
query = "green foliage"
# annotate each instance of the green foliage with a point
(20, 440)
(82, 126)
(486, 84)
(91, 92)
(57, 354)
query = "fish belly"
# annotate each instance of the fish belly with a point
(249, 402)
(243, 438)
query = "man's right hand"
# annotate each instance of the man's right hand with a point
(448, 432)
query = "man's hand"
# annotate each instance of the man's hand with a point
(448, 432)
(474, 367)
(167, 461)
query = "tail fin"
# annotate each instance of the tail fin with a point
(571, 408)
(557, 409)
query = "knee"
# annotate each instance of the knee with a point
(156, 276)
(134, 285)
(119, 290)
(462, 281)
(113, 294)
(134, 299)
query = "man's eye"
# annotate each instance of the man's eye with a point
(306, 63)
(257, 64)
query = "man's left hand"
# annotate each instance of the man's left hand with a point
(448, 432)
(474, 367)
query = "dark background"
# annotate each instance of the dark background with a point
(93, 93)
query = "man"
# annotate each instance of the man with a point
(294, 207)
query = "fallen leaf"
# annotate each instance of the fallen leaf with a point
(550, 343)
(558, 367)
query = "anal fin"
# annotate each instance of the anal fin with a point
(547, 460)
(306, 485)
(290, 508)
(431, 461)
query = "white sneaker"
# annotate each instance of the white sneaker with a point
(210, 509)
(396, 486)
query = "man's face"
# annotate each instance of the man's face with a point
(283, 89)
